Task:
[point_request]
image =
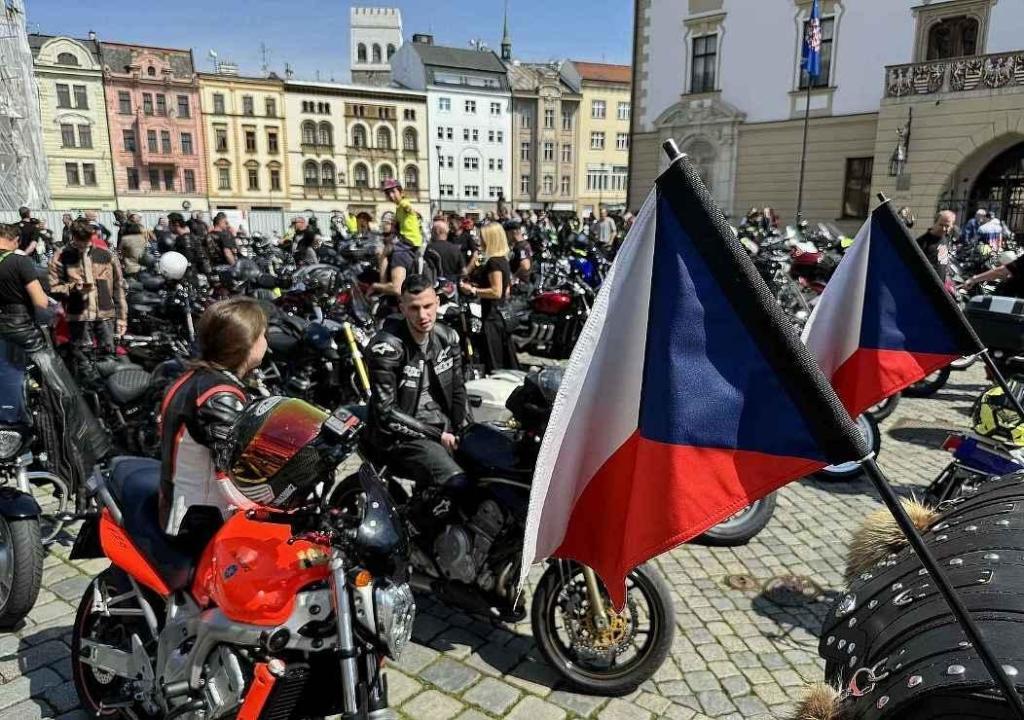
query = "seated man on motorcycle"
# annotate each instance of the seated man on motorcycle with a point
(197, 415)
(418, 398)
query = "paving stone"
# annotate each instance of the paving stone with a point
(492, 695)
(432, 705)
(622, 710)
(401, 687)
(533, 708)
(450, 676)
(577, 703)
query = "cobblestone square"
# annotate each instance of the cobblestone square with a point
(737, 654)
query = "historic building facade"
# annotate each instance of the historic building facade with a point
(74, 119)
(345, 141)
(545, 139)
(156, 129)
(923, 101)
(469, 122)
(602, 157)
(246, 142)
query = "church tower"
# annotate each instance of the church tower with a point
(506, 40)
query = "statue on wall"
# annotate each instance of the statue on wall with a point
(898, 160)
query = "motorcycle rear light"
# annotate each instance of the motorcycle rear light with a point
(344, 297)
(552, 303)
(953, 443)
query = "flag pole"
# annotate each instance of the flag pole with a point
(960, 611)
(803, 155)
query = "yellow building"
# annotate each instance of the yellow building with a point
(74, 118)
(602, 160)
(246, 142)
(345, 141)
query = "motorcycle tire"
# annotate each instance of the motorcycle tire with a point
(929, 386)
(885, 408)
(614, 679)
(741, 527)
(21, 568)
(848, 471)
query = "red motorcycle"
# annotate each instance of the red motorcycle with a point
(286, 612)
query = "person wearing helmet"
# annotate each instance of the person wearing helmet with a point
(92, 285)
(409, 227)
(418, 396)
(198, 414)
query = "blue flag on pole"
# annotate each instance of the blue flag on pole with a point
(811, 58)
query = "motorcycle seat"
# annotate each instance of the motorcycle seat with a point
(110, 365)
(128, 385)
(488, 451)
(135, 484)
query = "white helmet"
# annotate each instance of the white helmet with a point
(173, 265)
(1006, 257)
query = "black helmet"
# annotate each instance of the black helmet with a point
(274, 461)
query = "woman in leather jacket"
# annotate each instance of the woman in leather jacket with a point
(197, 417)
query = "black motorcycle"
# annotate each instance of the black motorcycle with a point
(471, 559)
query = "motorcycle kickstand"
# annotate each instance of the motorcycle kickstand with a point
(596, 601)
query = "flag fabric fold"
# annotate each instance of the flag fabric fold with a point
(687, 397)
(810, 58)
(885, 320)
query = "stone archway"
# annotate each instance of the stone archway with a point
(991, 177)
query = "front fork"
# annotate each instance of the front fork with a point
(594, 595)
(347, 650)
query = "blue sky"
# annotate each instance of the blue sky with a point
(312, 35)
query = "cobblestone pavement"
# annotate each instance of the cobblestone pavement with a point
(737, 653)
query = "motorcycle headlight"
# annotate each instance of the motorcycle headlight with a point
(10, 443)
(395, 610)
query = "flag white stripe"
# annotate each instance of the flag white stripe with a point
(599, 398)
(832, 332)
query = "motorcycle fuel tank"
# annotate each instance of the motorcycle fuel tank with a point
(552, 302)
(252, 573)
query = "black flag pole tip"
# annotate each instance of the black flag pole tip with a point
(882, 198)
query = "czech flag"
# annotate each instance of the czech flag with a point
(687, 397)
(885, 320)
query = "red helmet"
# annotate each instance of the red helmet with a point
(391, 184)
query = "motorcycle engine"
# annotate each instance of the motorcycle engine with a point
(225, 682)
(461, 550)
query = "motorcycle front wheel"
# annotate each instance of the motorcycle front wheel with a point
(741, 527)
(849, 470)
(610, 661)
(885, 408)
(929, 385)
(21, 568)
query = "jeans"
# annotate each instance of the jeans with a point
(423, 461)
(83, 332)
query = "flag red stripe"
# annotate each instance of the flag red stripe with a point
(869, 376)
(642, 503)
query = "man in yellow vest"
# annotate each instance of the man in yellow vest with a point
(407, 219)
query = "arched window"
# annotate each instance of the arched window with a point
(327, 178)
(361, 53)
(409, 139)
(412, 177)
(359, 136)
(309, 133)
(66, 58)
(953, 37)
(391, 51)
(310, 173)
(151, 71)
(361, 175)
(376, 54)
(384, 138)
(385, 173)
(326, 134)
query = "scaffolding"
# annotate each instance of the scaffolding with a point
(23, 174)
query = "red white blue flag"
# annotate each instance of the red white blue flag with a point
(687, 397)
(885, 321)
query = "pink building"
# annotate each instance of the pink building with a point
(156, 132)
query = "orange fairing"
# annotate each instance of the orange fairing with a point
(262, 683)
(252, 573)
(122, 552)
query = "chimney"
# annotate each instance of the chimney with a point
(423, 39)
(92, 35)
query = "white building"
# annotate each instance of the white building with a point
(375, 35)
(951, 69)
(469, 122)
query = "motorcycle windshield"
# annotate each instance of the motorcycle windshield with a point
(380, 538)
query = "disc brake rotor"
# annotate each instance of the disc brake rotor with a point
(589, 641)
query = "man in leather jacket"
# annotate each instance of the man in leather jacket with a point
(418, 399)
